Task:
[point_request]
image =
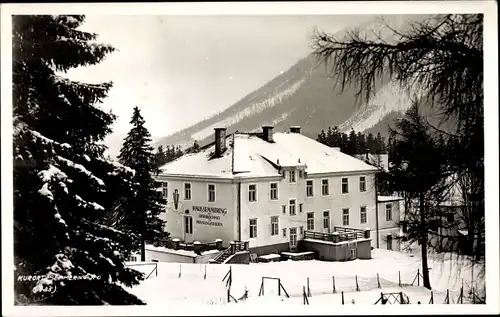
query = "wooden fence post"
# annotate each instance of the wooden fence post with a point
(308, 289)
(378, 281)
(334, 290)
(418, 277)
(205, 275)
(262, 286)
(279, 287)
(180, 270)
(399, 277)
(304, 294)
(342, 297)
(357, 285)
(447, 296)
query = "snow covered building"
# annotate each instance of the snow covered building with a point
(267, 188)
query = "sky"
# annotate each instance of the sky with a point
(180, 70)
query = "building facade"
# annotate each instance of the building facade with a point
(266, 188)
(390, 210)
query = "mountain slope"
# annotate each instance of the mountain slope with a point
(304, 95)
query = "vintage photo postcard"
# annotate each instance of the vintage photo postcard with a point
(279, 158)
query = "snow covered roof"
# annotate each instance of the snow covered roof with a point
(255, 157)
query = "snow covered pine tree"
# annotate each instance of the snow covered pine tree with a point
(148, 203)
(63, 185)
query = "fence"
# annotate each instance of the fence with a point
(360, 284)
(236, 283)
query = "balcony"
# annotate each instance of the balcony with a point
(339, 234)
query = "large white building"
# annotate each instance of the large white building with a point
(267, 188)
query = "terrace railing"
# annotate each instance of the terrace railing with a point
(193, 246)
(346, 234)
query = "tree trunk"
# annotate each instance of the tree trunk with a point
(143, 234)
(423, 242)
(143, 249)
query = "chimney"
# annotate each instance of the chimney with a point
(220, 141)
(268, 133)
(295, 129)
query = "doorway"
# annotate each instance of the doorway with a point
(389, 242)
(293, 239)
(188, 228)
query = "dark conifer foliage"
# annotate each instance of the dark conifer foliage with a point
(353, 143)
(63, 185)
(419, 169)
(142, 216)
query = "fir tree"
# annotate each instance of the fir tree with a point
(63, 184)
(344, 142)
(178, 152)
(419, 170)
(322, 137)
(380, 144)
(196, 147)
(361, 143)
(159, 159)
(329, 137)
(336, 138)
(147, 204)
(353, 143)
(370, 143)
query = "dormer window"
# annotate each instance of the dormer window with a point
(292, 176)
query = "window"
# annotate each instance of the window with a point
(284, 209)
(292, 177)
(301, 228)
(301, 173)
(253, 228)
(284, 232)
(326, 219)
(211, 192)
(292, 207)
(362, 214)
(345, 216)
(310, 221)
(388, 212)
(252, 192)
(345, 185)
(187, 191)
(164, 189)
(300, 207)
(274, 191)
(309, 188)
(274, 226)
(324, 187)
(362, 184)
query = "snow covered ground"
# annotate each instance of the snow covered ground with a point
(193, 289)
